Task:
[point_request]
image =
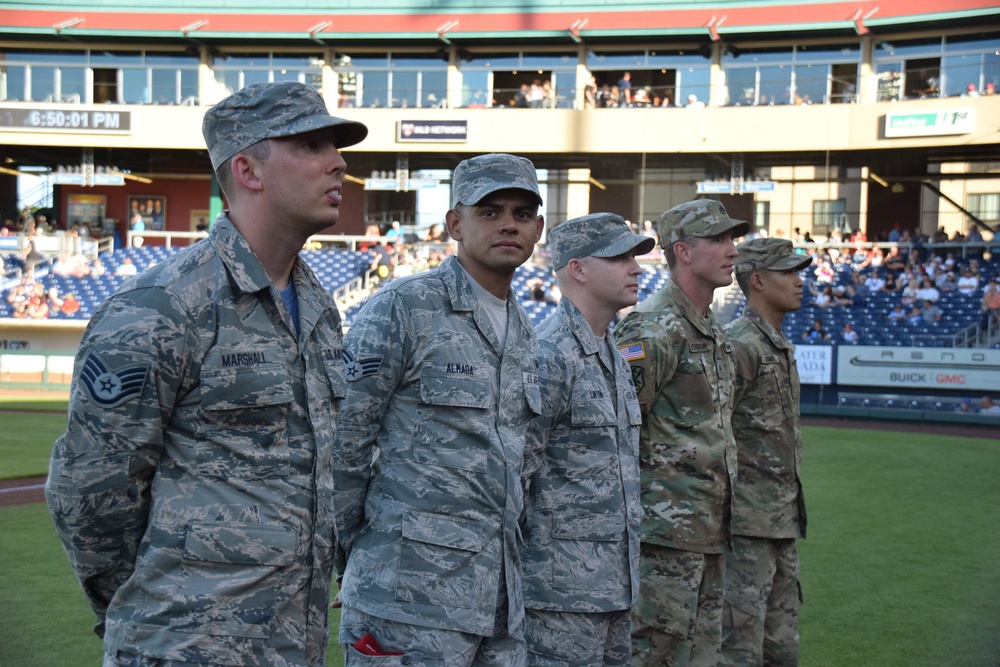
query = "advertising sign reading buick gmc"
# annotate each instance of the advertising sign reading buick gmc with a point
(919, 367)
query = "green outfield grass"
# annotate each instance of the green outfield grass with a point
(899, 568)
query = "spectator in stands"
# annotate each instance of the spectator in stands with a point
(897, 314)
(436, 234)
(62, 266)
(968, 284)
(553, 294)
(875, 282)
(816, 333)
(823, 296)
(973, 238)
(987, 407)
(850, 298)
(537, 290)
(927, 291)
(394, 233)
(947, 282)
(990, 305)
(70, 305)
(909, 293)
(126, 268)
(383, 259)
(137, 224)
(930, 313)
(894, 260)
(97, 268)
(891, 283)
(193, 487)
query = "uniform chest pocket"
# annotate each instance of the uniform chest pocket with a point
(690, 398)
(773, 389)
(453, 427)
(246, 409)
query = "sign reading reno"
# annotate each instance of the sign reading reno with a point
(928, 123)
(919, 368)
(432, 130)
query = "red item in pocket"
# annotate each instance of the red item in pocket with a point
(368, 646)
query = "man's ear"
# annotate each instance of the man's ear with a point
(244, 170)
(757, 281)
(541, 226)
(452, 222)
(577, 271)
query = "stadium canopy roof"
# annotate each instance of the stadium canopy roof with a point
(468, 22)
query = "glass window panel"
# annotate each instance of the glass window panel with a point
(298, 62)
(564, 89)
(742, 85)
(417, 61)
(233, 60)
(909, 49)
(434, 88)
(255, 76)
(676, 58)
(404, 88)
(745, 56)
(73, 84)
(175, 59)
(548, 61)
(693, 81)
(287, 75)
(493, 61)
(825, 54)
(890, 80)
(991, 70)
(984, 206)
(811, 83)
(230, 78)
(957, 72)
(971, 43)
(776, 83)
(189, 86)
(13, 79)
(164, 87)
(366, 62)
(374, 89)
(112, 58)
(43, 84)
(136, 86)
(474, 86)
(827, 214)
(615, 60)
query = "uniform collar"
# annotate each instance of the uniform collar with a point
(776, 337)
(700, 322)
(243, 265)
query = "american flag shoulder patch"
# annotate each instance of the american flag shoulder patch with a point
(632, 352)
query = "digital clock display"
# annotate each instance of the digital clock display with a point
(70, 119)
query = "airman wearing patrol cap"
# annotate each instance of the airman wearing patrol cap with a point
(762, 571)
(683, 373)
(584, 488)
(193, 489)
(442, 386)
(476, 178)
(271, 111)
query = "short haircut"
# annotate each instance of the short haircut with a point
(259, 151)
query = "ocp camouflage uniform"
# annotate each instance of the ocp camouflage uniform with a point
(428, 459)
(769, 514)
(581, 555)
(192, 489)
(683, 371)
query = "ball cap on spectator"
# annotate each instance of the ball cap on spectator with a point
(771, 254)
(479, 176)
(594, 235)
(703, 218)
(269, 111)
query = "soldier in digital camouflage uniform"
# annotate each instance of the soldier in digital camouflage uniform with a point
(683, 373)
(581, 555)
(442, 383)
(192, 489)
(760, 616)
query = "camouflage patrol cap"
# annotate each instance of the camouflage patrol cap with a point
(771, 254)
(703, 218)
(268, 111)
(479, 176)
(594, 235)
